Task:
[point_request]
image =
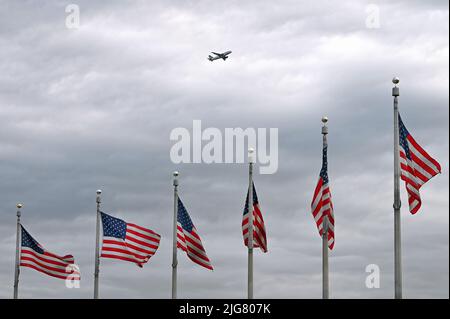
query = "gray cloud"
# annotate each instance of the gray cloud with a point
(93, 108)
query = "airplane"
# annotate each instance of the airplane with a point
(223, 56)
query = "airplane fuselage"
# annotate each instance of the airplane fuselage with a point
(217, 56)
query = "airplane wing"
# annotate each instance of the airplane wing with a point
(215, 53)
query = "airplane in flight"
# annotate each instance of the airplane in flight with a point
(223, 56)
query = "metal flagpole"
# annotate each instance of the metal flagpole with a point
(397, 202)
(250, 223)
(175, 222)
(97, 246)
(325, 279)
(17, 265)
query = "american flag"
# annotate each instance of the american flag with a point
(417, 167)
(34, 256)
(259, 230)
(188, 239)
(126, 241)
(321, 205)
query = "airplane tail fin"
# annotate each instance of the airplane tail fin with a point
(210, 58)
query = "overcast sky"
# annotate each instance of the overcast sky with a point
(93, 107)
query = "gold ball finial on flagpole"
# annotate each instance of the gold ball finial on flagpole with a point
(251, 155)
(19, 206)
(98, 199)
(175, 178)
(396, 89)
(324, 127)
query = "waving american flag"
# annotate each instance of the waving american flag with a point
(126, 241)
(321, 205)
(259, 229)
(417, 167)
(188, 239)
(33, 255)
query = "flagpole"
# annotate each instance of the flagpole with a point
(97, 245)
(175, 221)
(17, 265)
(397, 202)
(325, 269)
(250, 223)
(325, 279)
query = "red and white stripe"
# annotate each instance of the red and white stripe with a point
(62, 267)
(322, 206)
(139, 246)
(416, 171)
(191, 243)
(259, 229)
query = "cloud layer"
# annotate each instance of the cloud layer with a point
(93, 107)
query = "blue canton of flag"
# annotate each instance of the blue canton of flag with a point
(324, 170)
(30, 242)
(113, 227)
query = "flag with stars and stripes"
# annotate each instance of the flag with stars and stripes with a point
(321, 205)
(34, 256)
(417, 167)
(126, 241)
(188, 239)
(259, 229)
